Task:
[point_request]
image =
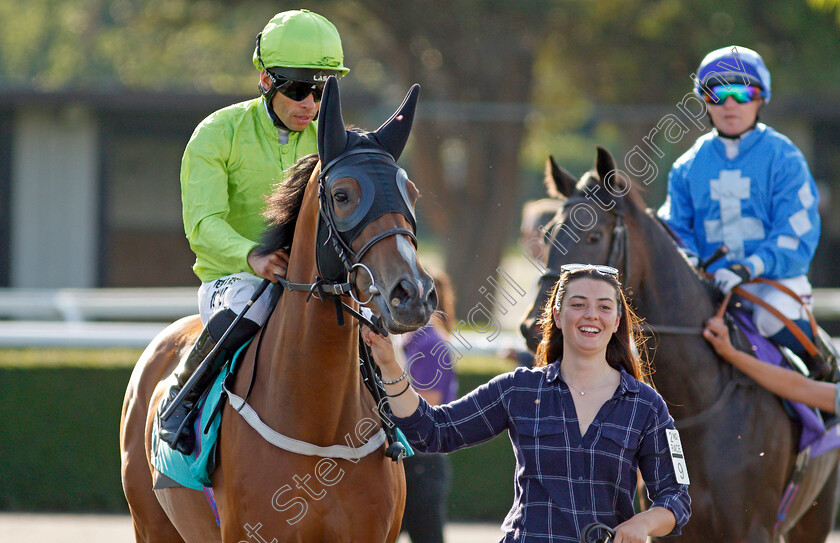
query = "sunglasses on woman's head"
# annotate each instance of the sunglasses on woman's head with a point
(742, 94)
(603, 270)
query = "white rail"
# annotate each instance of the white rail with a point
(132, 317)
(110, 304)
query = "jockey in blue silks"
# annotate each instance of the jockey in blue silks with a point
(748, 187)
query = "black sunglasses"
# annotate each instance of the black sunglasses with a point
(297, 90)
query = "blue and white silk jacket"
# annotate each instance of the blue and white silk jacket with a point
(762, 203)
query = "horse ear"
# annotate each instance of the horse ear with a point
(332, 136)
(393, 134)
(558, 182)
(604, 163)
(609, 174)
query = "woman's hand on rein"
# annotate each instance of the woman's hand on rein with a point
(383, 353)
(717, 334)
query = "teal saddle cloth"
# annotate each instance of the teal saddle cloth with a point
(194, 471)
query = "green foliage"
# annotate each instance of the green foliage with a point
(827, 6)
(60, 435)
(135, 44)
(643, 53)
(482, 365)
(482, 476)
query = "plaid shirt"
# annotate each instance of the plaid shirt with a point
(563, 481)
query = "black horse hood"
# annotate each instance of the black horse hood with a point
(335, 140)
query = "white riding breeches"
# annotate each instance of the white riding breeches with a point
(766, 323)
(233, 292)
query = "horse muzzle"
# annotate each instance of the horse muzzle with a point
(408, 304)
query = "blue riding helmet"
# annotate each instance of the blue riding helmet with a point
(733, 64)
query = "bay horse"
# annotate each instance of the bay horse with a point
(347, 216)
(740, 444)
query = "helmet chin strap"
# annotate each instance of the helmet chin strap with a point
(736, 136)
(268, 95)
(273, 116)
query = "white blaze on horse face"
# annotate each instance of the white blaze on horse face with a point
(406, 249)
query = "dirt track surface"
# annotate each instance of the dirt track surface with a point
(45, 528)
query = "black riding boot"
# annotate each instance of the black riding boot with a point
(177, 429)
(819, 369)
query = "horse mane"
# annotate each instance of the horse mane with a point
(635, 198)
(634, 202)
(283, 206)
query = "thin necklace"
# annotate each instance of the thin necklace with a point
(596, 386)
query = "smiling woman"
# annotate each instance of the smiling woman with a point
(581, 423)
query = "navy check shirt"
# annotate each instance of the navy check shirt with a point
(563, 481)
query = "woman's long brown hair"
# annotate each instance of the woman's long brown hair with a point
(626, 343)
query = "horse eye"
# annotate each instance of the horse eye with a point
(340, 196)
(594, 237)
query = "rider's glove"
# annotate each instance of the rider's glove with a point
(693, 260)
(728, 278)
(690, 256)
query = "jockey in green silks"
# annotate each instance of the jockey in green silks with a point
(230, 164)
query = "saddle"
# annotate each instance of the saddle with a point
(195, 470)
(821, 356)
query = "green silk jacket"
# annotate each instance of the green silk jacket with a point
(230, 164)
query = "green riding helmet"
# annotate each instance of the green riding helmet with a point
(300, 45)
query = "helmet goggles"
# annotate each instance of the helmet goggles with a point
(717, 94)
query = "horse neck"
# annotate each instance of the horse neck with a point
(669, 293)
(308, 377)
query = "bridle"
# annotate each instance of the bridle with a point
(618, 257)
(336, 262)
(341, 247)
(335, 259)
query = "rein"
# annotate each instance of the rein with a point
(324, 289)
(667, 329)
(595, 529)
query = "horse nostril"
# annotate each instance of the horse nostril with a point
(432, 299)
(403, 292)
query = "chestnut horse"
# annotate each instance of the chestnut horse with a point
(348, 218)
(740, 444)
